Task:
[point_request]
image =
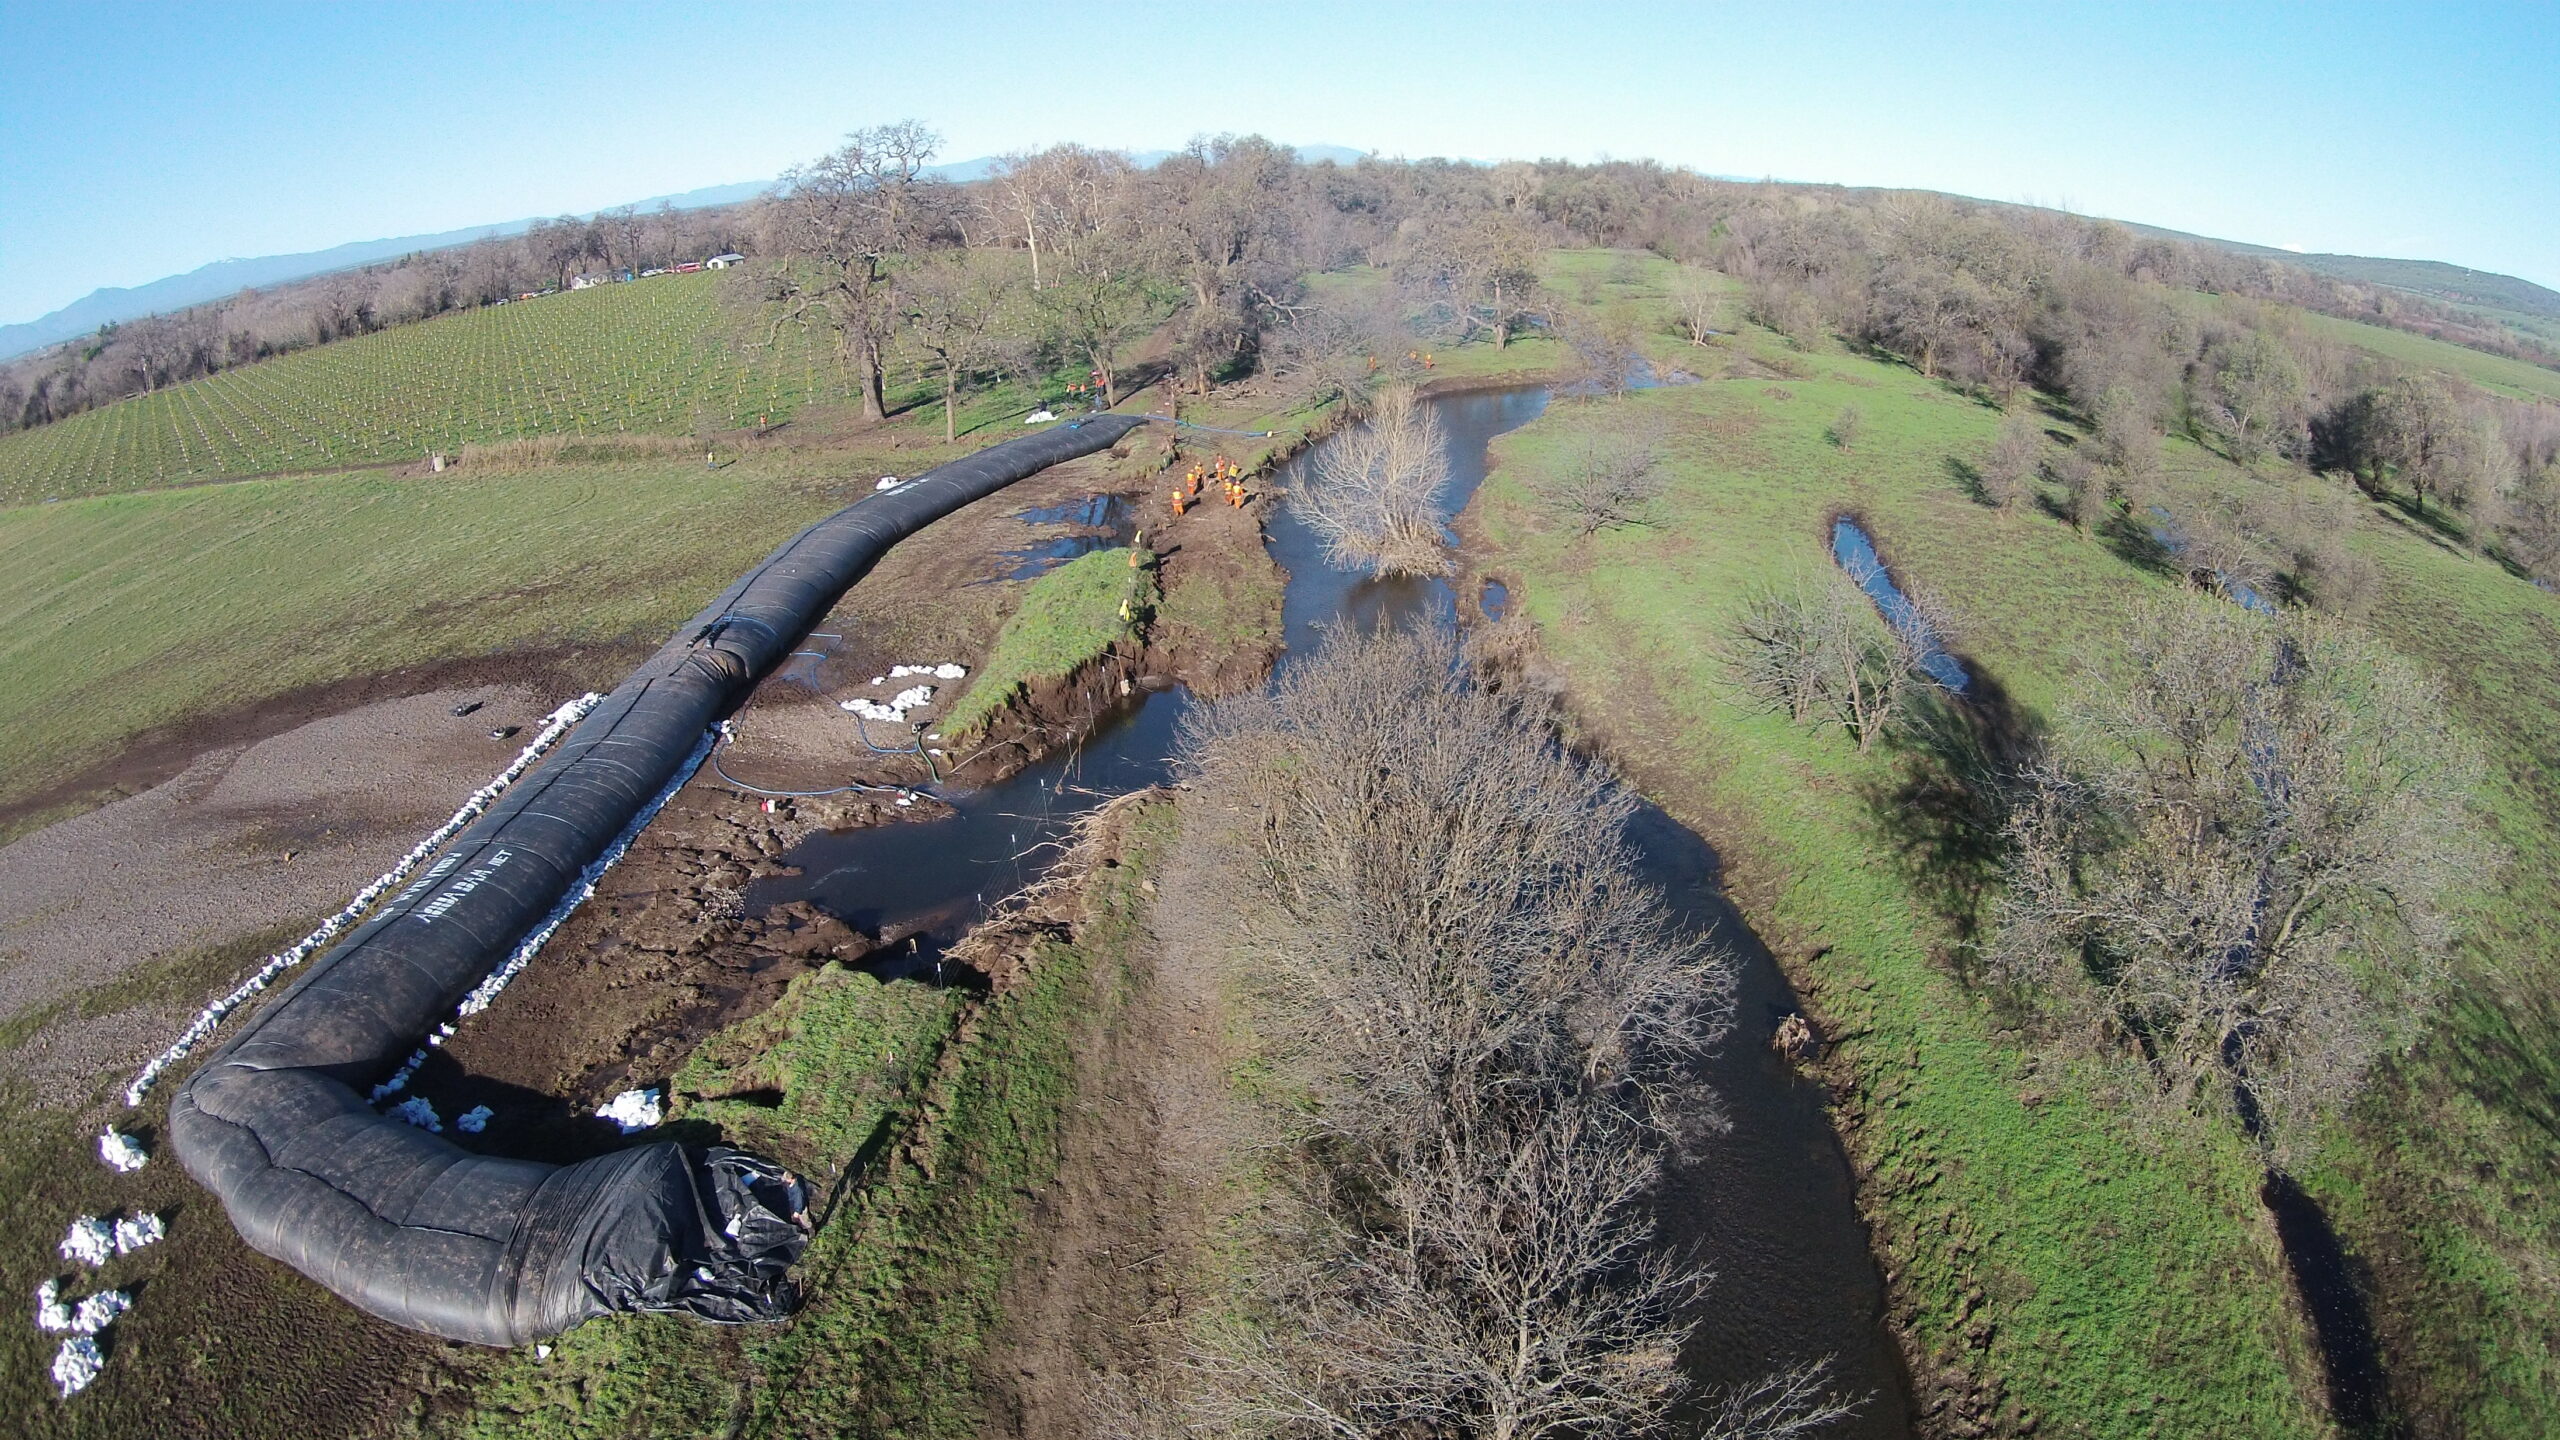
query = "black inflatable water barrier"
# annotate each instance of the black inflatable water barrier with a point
(407, 1225)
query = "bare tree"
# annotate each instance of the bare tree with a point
(2436, 442)
(1342, 350)
(2233, 865)
(2085, 492)
(1698, 297)
(2533, 524)
(2009, 473)
(2127, 438)
(2252, 392)
(957, 319)
(1093, 307)
(1816, 648)
(1491, 1017)
(1610, 481)
(1373, 494)
(1217, 218)
(1484, 269)
(835, 227)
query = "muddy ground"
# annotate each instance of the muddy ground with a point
(246, 829)
(665, 953)
(243, 838)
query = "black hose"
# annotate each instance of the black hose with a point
(739, 784)
(407, 1225)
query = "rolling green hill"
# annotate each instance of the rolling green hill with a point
(2511, 378)
(652, 357)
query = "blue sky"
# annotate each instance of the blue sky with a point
(138, 141)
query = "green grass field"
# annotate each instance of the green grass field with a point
(2512, 378)
(1068, 618)
(2133, 1278)
(126, 612)
(651, 357)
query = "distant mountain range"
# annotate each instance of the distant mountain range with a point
(116, 304)
(229, 277)
(2519, 302)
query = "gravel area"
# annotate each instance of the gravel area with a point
(243, 840)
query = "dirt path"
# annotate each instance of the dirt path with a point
(1097, 1305)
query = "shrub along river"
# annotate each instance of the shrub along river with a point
(1769, 1205)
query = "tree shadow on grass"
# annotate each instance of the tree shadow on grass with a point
(2436, 526)
(1968, 478)
(2502, 1043)
(2136, 543)
(1946, 808)
(2326, 1277)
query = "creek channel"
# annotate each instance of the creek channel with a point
(1769, 1206)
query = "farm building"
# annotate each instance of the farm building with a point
(723, 262)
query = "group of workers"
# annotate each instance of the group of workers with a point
(1229, 477)
(1093, 391)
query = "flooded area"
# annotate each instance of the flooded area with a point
(1855, 551)
(1768, 1206)
(1097, 522)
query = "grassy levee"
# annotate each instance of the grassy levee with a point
(1068, 618)
(929, 1185)
(2131, 1279)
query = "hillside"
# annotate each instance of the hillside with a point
(2517, 303)
(651, 357)
(116, 304)
(1996, 1170)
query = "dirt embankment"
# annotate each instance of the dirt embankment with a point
(1215, 631)
(1112, 1272)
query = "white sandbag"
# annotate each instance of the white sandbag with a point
(91, 1241)
(137, 1231)
(633, 1111)
(76, 1364)
(121, 1152)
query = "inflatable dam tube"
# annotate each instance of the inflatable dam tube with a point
(409, 1226)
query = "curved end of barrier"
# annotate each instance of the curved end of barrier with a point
(410, 1226)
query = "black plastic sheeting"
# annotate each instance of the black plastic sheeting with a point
(406, 1224)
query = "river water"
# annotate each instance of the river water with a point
(1767, 1205)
